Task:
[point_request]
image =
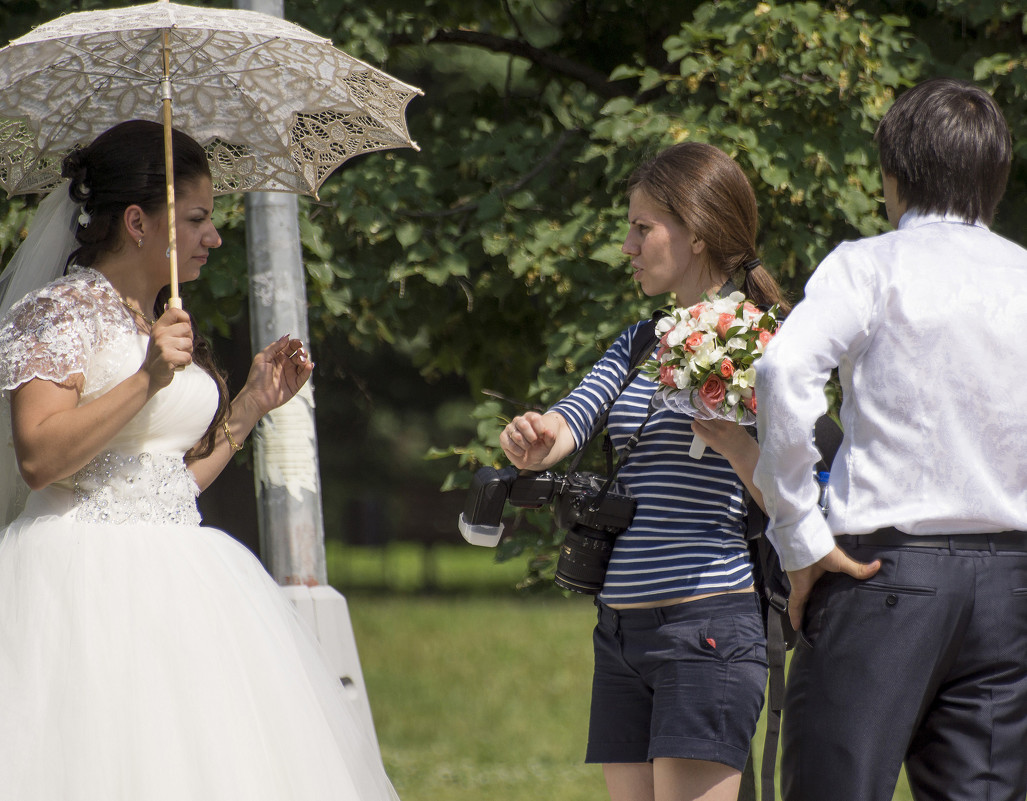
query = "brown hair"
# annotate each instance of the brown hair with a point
(707, 190)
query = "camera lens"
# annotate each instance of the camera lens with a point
(584, 555)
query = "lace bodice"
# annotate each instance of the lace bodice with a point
(69, 326)
(77, 325)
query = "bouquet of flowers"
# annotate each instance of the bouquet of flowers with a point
(705, 364)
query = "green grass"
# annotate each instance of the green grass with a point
(408, 568)
(478, 692)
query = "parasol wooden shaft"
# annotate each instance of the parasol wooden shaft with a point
(174, 302)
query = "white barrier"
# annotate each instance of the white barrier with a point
(326, 612)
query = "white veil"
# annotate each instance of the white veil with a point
(43, 255)
(41, 258)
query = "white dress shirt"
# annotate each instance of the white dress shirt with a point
(928, 327)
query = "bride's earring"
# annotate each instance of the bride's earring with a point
(139, 241)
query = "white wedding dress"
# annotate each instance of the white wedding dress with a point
(143, 657)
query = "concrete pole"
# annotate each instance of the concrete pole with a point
(285, 442)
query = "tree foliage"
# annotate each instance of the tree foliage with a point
(493, 254)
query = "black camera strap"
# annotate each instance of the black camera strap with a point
(642, 345)
(611, 469)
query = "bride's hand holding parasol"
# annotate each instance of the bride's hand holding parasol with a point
(169, 350)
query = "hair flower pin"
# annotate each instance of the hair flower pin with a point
(84, 218)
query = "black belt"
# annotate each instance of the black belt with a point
(893, 538)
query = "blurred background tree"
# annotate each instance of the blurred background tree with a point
(490, 260)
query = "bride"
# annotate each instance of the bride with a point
(143, 657)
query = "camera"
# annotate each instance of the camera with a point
(592, 509)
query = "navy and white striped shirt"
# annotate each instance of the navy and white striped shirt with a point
(688, 534)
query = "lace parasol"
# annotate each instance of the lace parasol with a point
(277, 107)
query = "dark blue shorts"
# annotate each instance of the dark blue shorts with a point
(683, 681)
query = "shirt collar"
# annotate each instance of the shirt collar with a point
(915, 218)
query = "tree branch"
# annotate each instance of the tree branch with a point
(513, 20)
(523, 181)
(596, 81)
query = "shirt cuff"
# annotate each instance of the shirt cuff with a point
(804, 543)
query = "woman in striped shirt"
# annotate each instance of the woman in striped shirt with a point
(680, 658)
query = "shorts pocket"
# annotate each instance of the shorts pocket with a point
(732, 638)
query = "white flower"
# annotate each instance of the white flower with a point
(708, 319)
(677, 335)
(709, 353)
(745, 379)
(728, 305)
(701, 360)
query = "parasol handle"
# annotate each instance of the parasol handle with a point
(174, 302)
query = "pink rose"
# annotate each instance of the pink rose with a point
(697, 310)
(749, 307)
(712, 392)
(724, 322)
(693, 341)
(727, 368)
(765, 337)
(750, 403)
(667, 375)
(663, 351)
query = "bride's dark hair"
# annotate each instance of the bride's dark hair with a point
(124, 166)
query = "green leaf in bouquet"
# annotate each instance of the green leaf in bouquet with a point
(768, 321)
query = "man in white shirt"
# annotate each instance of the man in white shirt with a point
(912, 593)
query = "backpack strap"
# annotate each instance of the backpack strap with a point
(642, 345)
(827, 436)
(780, 638)
(773, 585)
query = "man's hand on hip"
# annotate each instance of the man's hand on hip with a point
(802, 581)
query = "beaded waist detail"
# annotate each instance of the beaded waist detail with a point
(141, 488)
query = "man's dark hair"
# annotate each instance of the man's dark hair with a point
(947, 145)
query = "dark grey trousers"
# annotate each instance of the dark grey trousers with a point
(924, 663)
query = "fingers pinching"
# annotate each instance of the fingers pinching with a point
(290, 348)
(523, 433)
(506, 437)
(513, 440)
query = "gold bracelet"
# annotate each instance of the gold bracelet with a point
(235, 446)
